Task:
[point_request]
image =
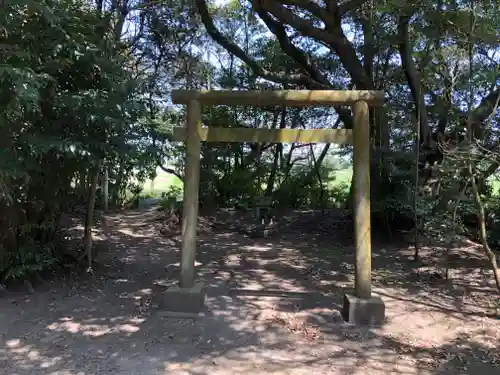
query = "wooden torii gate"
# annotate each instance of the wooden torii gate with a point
(360, 307)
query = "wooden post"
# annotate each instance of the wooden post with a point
(191, 195)
(361, 179)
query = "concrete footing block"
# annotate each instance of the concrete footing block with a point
(363, 311)
(185, 300)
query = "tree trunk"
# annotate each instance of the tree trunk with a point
(274, 170)
(118, 184)
(317, 170)
(87, 238)
(310, 177)
(413, 77)
(277, 153)
(105, 188)
(482, 229)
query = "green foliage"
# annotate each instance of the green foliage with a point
(171, 199)
(68, 98)
(26, 260)
(75, 88)
(173, 192)
(339, 193)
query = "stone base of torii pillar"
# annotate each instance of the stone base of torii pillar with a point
(185, 300)
(363, 311)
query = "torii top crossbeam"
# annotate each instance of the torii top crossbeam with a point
(297, 98)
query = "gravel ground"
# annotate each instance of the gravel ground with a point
(272, 308)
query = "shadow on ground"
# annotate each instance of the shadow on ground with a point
(272, 308)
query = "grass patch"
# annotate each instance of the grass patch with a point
(339, 177)
(164, 182)
(161, 184)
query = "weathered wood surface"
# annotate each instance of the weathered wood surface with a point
(239, 135)
(191, 196)
(298, 98)
(361, 179)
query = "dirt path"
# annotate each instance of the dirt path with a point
(272, 308)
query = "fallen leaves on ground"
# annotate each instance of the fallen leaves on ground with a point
(296, 325)
(433, 356)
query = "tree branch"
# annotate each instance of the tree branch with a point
(170, 171)
(413, 77)
(487, 106)
(350, 6)
(333, 37)
(313, 8)
(305, 26)
(295, 53)
(297, 79)
(140, 32)
(479, 116)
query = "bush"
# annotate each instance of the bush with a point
(173, 192)
(170, 198)
(26, 260)
(339, 193)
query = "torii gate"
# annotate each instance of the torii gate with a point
(361, 307)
